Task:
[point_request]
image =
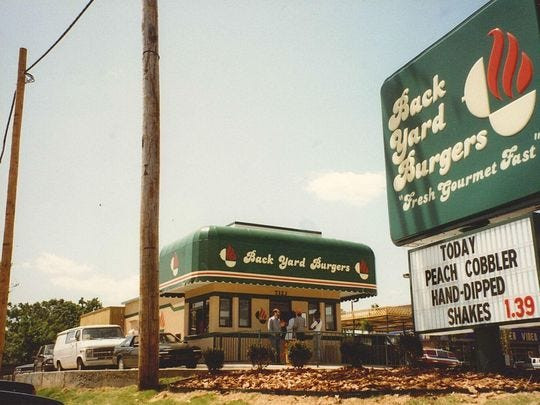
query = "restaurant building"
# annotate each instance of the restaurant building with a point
(226, 280)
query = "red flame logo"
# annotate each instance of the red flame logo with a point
(364, 267)
(525, 72)
(230, 254)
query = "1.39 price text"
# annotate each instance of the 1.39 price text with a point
(519, 307)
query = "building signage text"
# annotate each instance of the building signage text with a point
(482, 278)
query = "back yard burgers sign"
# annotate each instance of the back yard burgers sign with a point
(461, 131)
(479, 278)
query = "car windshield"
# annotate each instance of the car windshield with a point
(48, 349)
(167, 338)
(101, 333)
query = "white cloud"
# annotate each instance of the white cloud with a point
(352, 188)
(73, 280)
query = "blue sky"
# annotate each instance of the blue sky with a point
(270, 113)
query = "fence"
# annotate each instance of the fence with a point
(235, 346)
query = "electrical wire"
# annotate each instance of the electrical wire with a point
(61, 36)
(30, 79)
(7, 126)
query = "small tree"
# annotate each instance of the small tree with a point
(365, 326)
(260, 356)
(214, 359)
(298, 354)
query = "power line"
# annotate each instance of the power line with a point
(30, 78)
(61, 36)
(7, 126)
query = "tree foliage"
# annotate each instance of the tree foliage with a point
(30, 326)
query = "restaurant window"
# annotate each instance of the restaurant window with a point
(225, 312)
(330, 316)
(244, 312)
(198, 317)
(313, 306)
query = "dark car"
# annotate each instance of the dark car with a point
(172, 352)
(44, 359)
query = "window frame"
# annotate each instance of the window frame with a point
(229, 322)
(206, 315)
(240, 299)
(310, 316)
(334, 315)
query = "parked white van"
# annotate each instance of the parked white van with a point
(86, 346)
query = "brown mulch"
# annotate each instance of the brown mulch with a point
(360, 382)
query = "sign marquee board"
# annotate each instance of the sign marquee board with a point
(461, 125)
(480, 278)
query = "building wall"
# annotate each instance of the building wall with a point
(260, 304)
(104, 316)
(171, 315)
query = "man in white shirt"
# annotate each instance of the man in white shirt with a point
(316, 327)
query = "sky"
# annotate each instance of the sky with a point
(270, 113)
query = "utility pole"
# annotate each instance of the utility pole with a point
(9, 223)
(149, 229)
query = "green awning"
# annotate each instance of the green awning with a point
(268, 257)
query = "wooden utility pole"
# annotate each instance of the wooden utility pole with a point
(149, 239)
(9, 224)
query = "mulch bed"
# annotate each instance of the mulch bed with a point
(360, 382)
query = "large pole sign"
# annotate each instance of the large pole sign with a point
(461, 128)
(480, 278)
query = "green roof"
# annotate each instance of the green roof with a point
(265, 256)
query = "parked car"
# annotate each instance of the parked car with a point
(439, 358)
(14, 392)
(44, 358)
(86, 346)
(24, 368)
(172, 352)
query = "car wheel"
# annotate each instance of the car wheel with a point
(59, 366)
(121, 365)
(80, 364)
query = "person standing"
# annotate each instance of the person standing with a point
(300, 326)
(316, 327)
(275, 332)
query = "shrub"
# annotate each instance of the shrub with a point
(260, 356)
(214, 359)
(299, 354)
(353, 352)
(411, 348)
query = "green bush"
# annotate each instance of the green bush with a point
(214, 359)
(260, 356)
(299, 354)
(353, 352)
(411, 349)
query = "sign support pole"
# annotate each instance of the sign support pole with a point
(9, 224)
(149, 231)
(489, 353)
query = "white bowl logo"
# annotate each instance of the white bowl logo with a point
(228, 255)
(513, 117)
(362, 269)
(175, 264)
